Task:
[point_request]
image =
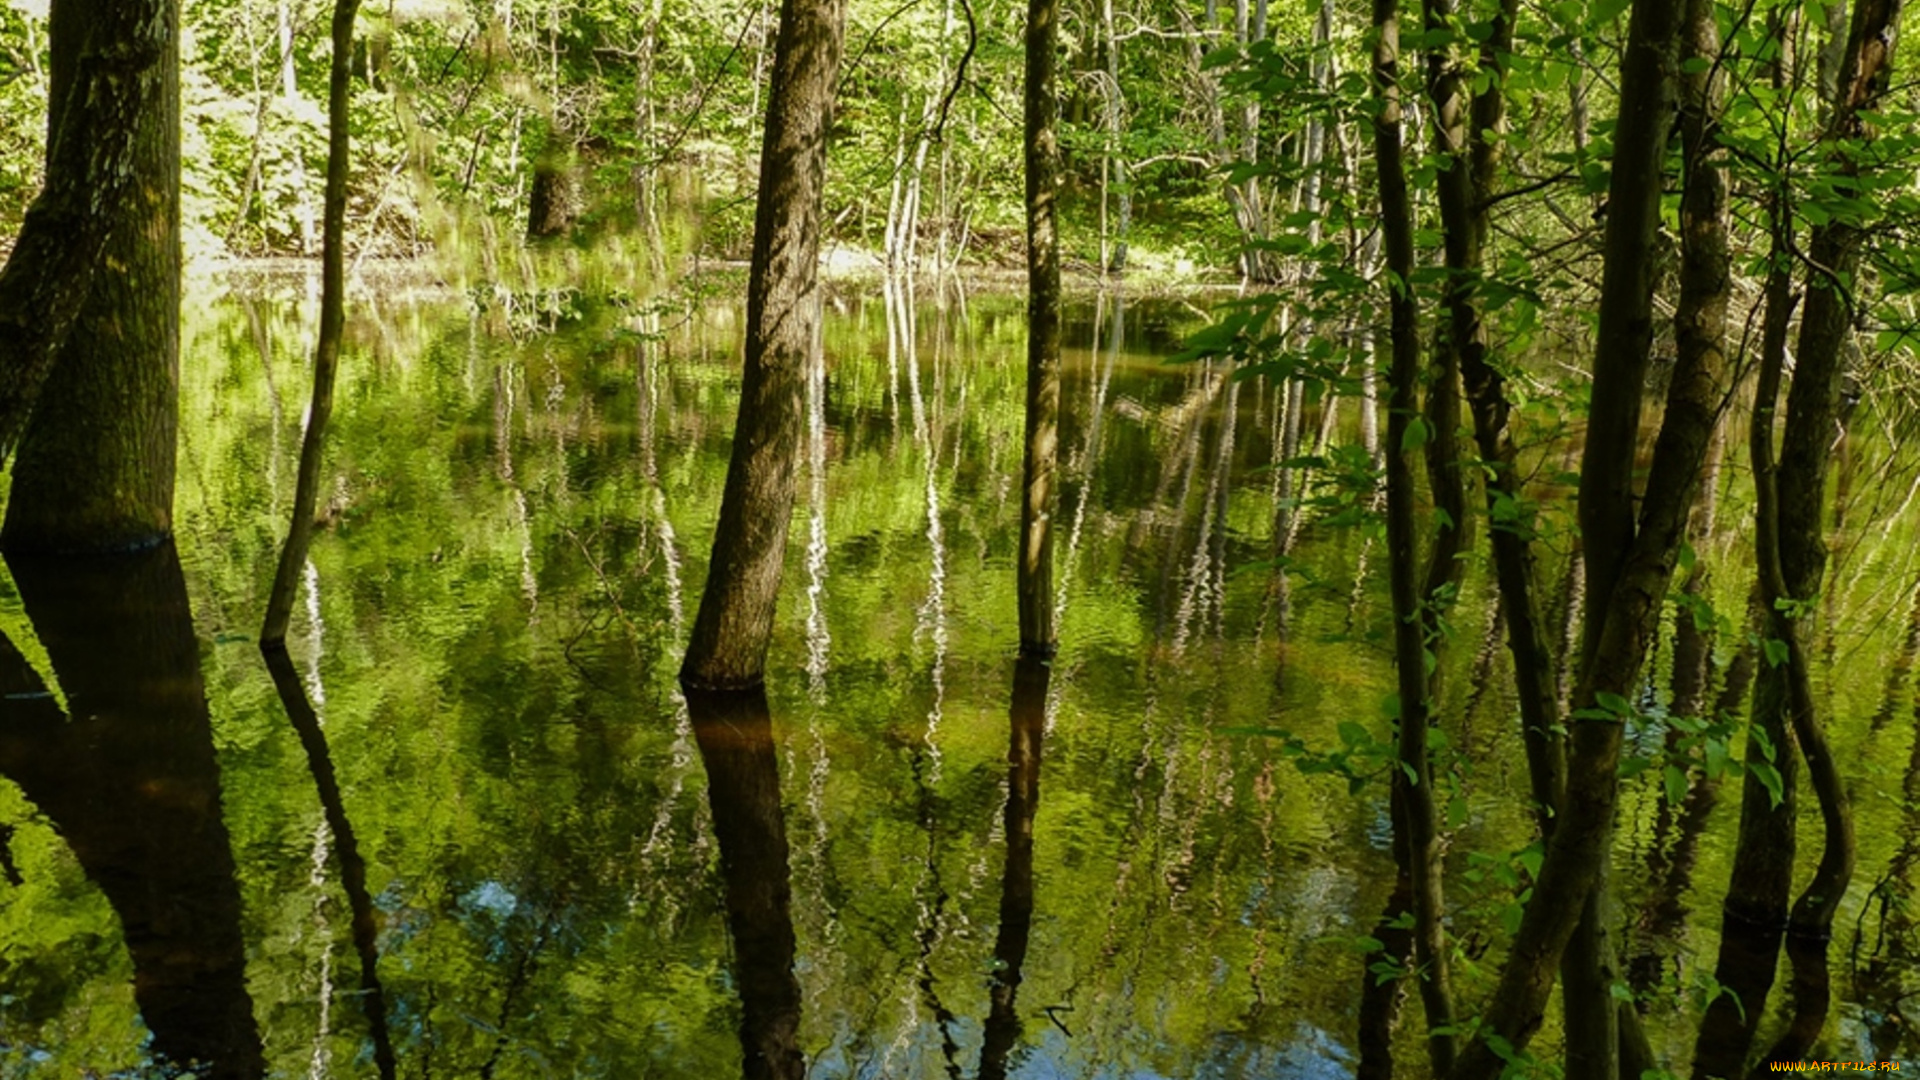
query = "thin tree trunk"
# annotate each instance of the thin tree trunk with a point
(333, 318)
(1416, 622)
(728, 647)
(1813, 412)
(1628, 568)
(1038, 636)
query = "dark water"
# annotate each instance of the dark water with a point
(469, 826)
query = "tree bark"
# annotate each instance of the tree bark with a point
(1038, 636)
(1416, 623)
(1628, 568)
(728, 648)
(89, 356)
(333, 321)
(1813, 414)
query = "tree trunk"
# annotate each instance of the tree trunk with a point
(1038, 636)
(333, 320)
(1813, 413)
(728, 648)
(1416, 618)
(735, 735)
(88, 361)
(1026, 731)
(554, 200)
(1628, 569)
(132, 783)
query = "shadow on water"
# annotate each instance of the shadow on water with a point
(1026, 730)
(132, 785)
(735, 733)
(353, 869)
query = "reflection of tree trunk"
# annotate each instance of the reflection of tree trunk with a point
(1026, 730)
(133, 786)
(735, 732)
(353, 869)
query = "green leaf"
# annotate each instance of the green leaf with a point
(1775, 650)
(1675, 779)
(1769, 778)
(1416, 434)
(1354, 735)
(1614, 704)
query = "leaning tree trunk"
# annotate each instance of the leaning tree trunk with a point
(89, 361)
(1038, 636)
(728, 648)
(1813, 412)
(1629, 567)
(333, 319)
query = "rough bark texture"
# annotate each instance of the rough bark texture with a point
(728, 648)
(132, 783)
(735, 734)
(109, 84)
(1037, 633)
(333, 322)
(1026, 729)
(1628, 568)
(95, 412)
(353, 868)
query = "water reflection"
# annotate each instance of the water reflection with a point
(132, 786)
(353, 869)
(1026, 729)
(735, 733)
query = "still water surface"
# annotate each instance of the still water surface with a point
(469, 827)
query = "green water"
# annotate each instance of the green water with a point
(519, 506)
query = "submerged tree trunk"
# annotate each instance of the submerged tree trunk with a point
(728, 648)
(1038, 636)
(735, 733)
(1027, 724)
(333, 319)
(89, 360)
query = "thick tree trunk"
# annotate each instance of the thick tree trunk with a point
(1038, 636)
(1628, 569)
(1027, 724)
(333, 321)
(728, 648)
(132, 783)
(89, 357)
